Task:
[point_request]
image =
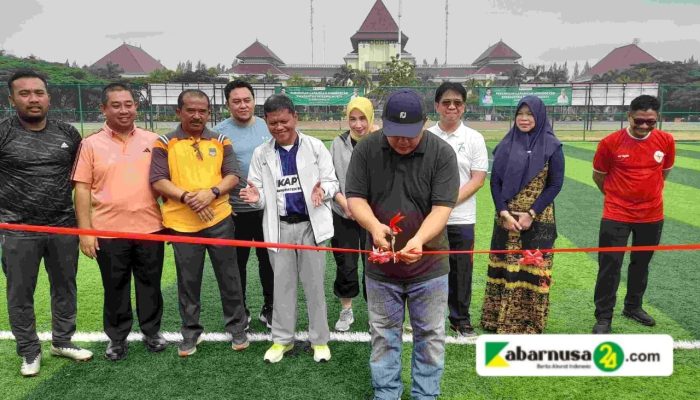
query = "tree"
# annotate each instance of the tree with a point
(537, 72)
(298, 80)
(515, 77)
(346, 73)
(398, 73)
(426, 79)
(577, 72)
(363, 78)
(586, 68)
(269, 78)
(160, 76)
(109, 72)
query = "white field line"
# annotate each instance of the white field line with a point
(349, 337)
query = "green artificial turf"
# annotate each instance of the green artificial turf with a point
(216, 371)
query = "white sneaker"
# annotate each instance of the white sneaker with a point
(30, 367)
(71, 351)
(321, 353)
(275, 353)
(345, 319)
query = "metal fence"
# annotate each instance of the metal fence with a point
(595, 107)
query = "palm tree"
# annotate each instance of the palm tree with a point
(515, 77)
(345, 74)
(363, 78)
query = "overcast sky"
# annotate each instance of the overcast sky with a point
(542, 31)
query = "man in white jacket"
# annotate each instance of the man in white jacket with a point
(292, 178)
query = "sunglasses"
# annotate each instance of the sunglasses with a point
(195, 145)
(456, 103)
(642, 121)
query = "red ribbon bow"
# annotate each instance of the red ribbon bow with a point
(531, 257)
(380, 257)
(535, 258)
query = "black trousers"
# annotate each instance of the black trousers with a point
(118, 259)
(460, 237)
(348, 235)
(189, 263)
(21, 256)
(614, 233)
(249, 227)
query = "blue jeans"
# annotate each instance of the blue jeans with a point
(426, 302)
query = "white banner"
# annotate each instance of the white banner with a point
(574, 355)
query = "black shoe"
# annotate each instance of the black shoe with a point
(640, 316)
(464, 329)
(266, 316)
(602, 327)
(116, 350)
(155, 343)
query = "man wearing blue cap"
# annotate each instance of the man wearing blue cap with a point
(403, 168)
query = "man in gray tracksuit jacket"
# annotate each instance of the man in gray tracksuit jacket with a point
(292, 178)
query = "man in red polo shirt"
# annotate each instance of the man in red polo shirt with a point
(111, 179)
(630, 167)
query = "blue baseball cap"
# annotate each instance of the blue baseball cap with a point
(403, 114)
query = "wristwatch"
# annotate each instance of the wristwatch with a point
(216, 192)
(532, 213)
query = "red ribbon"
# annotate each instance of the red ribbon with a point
(247, 243)
(380, 257)
(393, 223)
(531, 257)
(535, 258)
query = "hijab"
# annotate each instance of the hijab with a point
(520, 156)
(364, 105)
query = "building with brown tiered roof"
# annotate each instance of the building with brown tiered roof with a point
(619, 59)
(373, 46)
(134, 61)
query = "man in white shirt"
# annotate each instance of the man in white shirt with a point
(472, 161)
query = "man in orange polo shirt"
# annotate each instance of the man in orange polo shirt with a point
(111, 174)
(195, 169)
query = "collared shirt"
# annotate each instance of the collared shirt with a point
(193, 164)
(411, 184)
(470, 148)
(290, 198)
(117, 171)
(35, 167)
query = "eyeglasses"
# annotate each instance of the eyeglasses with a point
(200, 157)
(642, 121)
(456, 103)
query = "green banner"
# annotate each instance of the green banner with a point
(321, 96)
(510, 96)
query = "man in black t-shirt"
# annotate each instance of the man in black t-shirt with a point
(36, 159)
(403, 168)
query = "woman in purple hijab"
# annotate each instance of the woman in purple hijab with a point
(527, 174)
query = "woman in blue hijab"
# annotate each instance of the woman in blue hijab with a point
(527, 174)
